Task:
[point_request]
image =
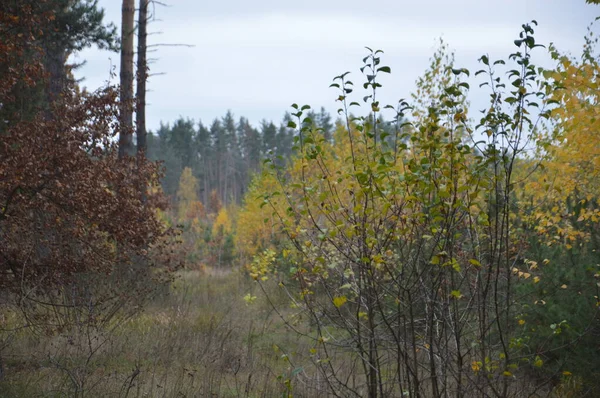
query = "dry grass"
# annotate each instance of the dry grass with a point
(200, 340)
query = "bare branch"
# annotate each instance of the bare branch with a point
(171, 45)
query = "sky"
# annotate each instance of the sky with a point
(258, 57)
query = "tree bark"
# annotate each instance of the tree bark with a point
(54, 64)
(142, 75)
(126, 75)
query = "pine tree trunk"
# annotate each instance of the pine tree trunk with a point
(142, 75)
(55, 58)
(126, 75)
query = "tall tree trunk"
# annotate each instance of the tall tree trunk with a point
(54, 62)
(126, 116)
(142, 75)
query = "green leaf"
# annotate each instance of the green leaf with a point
(297, 371)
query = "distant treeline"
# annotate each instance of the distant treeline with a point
(225, 155)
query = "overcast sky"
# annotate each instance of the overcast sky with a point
(257, 57)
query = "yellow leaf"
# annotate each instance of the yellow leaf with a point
(475, 262)
(338, 301)
(377, 259)
(249, 299)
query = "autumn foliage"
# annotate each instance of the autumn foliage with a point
(447, 255)
(68, 204)
(433, 252)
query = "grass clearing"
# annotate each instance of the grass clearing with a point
(200, 339)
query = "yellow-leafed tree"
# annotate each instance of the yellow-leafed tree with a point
(565, 190)
(187, 195)
(222, 224)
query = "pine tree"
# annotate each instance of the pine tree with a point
(216, 165)
(181, 140)
(250, 141)
(126, 115)
(285, 138)
(142, 75)
(74, 26)
(268, 132)
(203, 148)
(232, 152)
(324, 122)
